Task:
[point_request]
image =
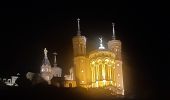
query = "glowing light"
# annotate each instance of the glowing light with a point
(82, 71)
(119, 85)
(99, 60)
(101, 47)
(97, 85)
(118, 74)
(104, 82)
(117, 64)
(107, 60)
(82, 81)
(103, 73)
(115, 84)
(123, 92)
(112, 82)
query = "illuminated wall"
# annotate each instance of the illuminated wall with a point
(115, 47)
(119, 76)
(79, 46)
(82, 71)
(69, 83)
(46, 73)
(102, 68)
(81, 64)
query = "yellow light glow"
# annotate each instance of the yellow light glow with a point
(111, 82)
(82, 71)
(97, 85)
(104, 82)
(99, 60)
(93, 62)
(107, 60)
(117, 64)
(103, 72)
(119, 85)
(82, 81)
(118, 75)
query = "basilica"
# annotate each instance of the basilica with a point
(100, 68)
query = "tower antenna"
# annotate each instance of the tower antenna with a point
(78, 32)
(114, 36)
(45, 52)
(55, 61)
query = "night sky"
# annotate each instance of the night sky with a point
(28, 27)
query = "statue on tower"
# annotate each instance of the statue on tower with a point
(45, 52)
(100, 40)
(101, 44)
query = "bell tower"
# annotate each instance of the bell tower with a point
(79, 43)
(80, 60)
(115, 46)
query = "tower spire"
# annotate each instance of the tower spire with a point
(46, 61)
(78, 32)
(45, 52)
(113, 37)
(55, 61)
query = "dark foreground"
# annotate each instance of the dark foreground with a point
(54, 93)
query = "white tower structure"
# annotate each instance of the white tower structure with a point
(57, 71)
(46, 72)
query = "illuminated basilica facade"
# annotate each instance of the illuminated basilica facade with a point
(99, 68)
